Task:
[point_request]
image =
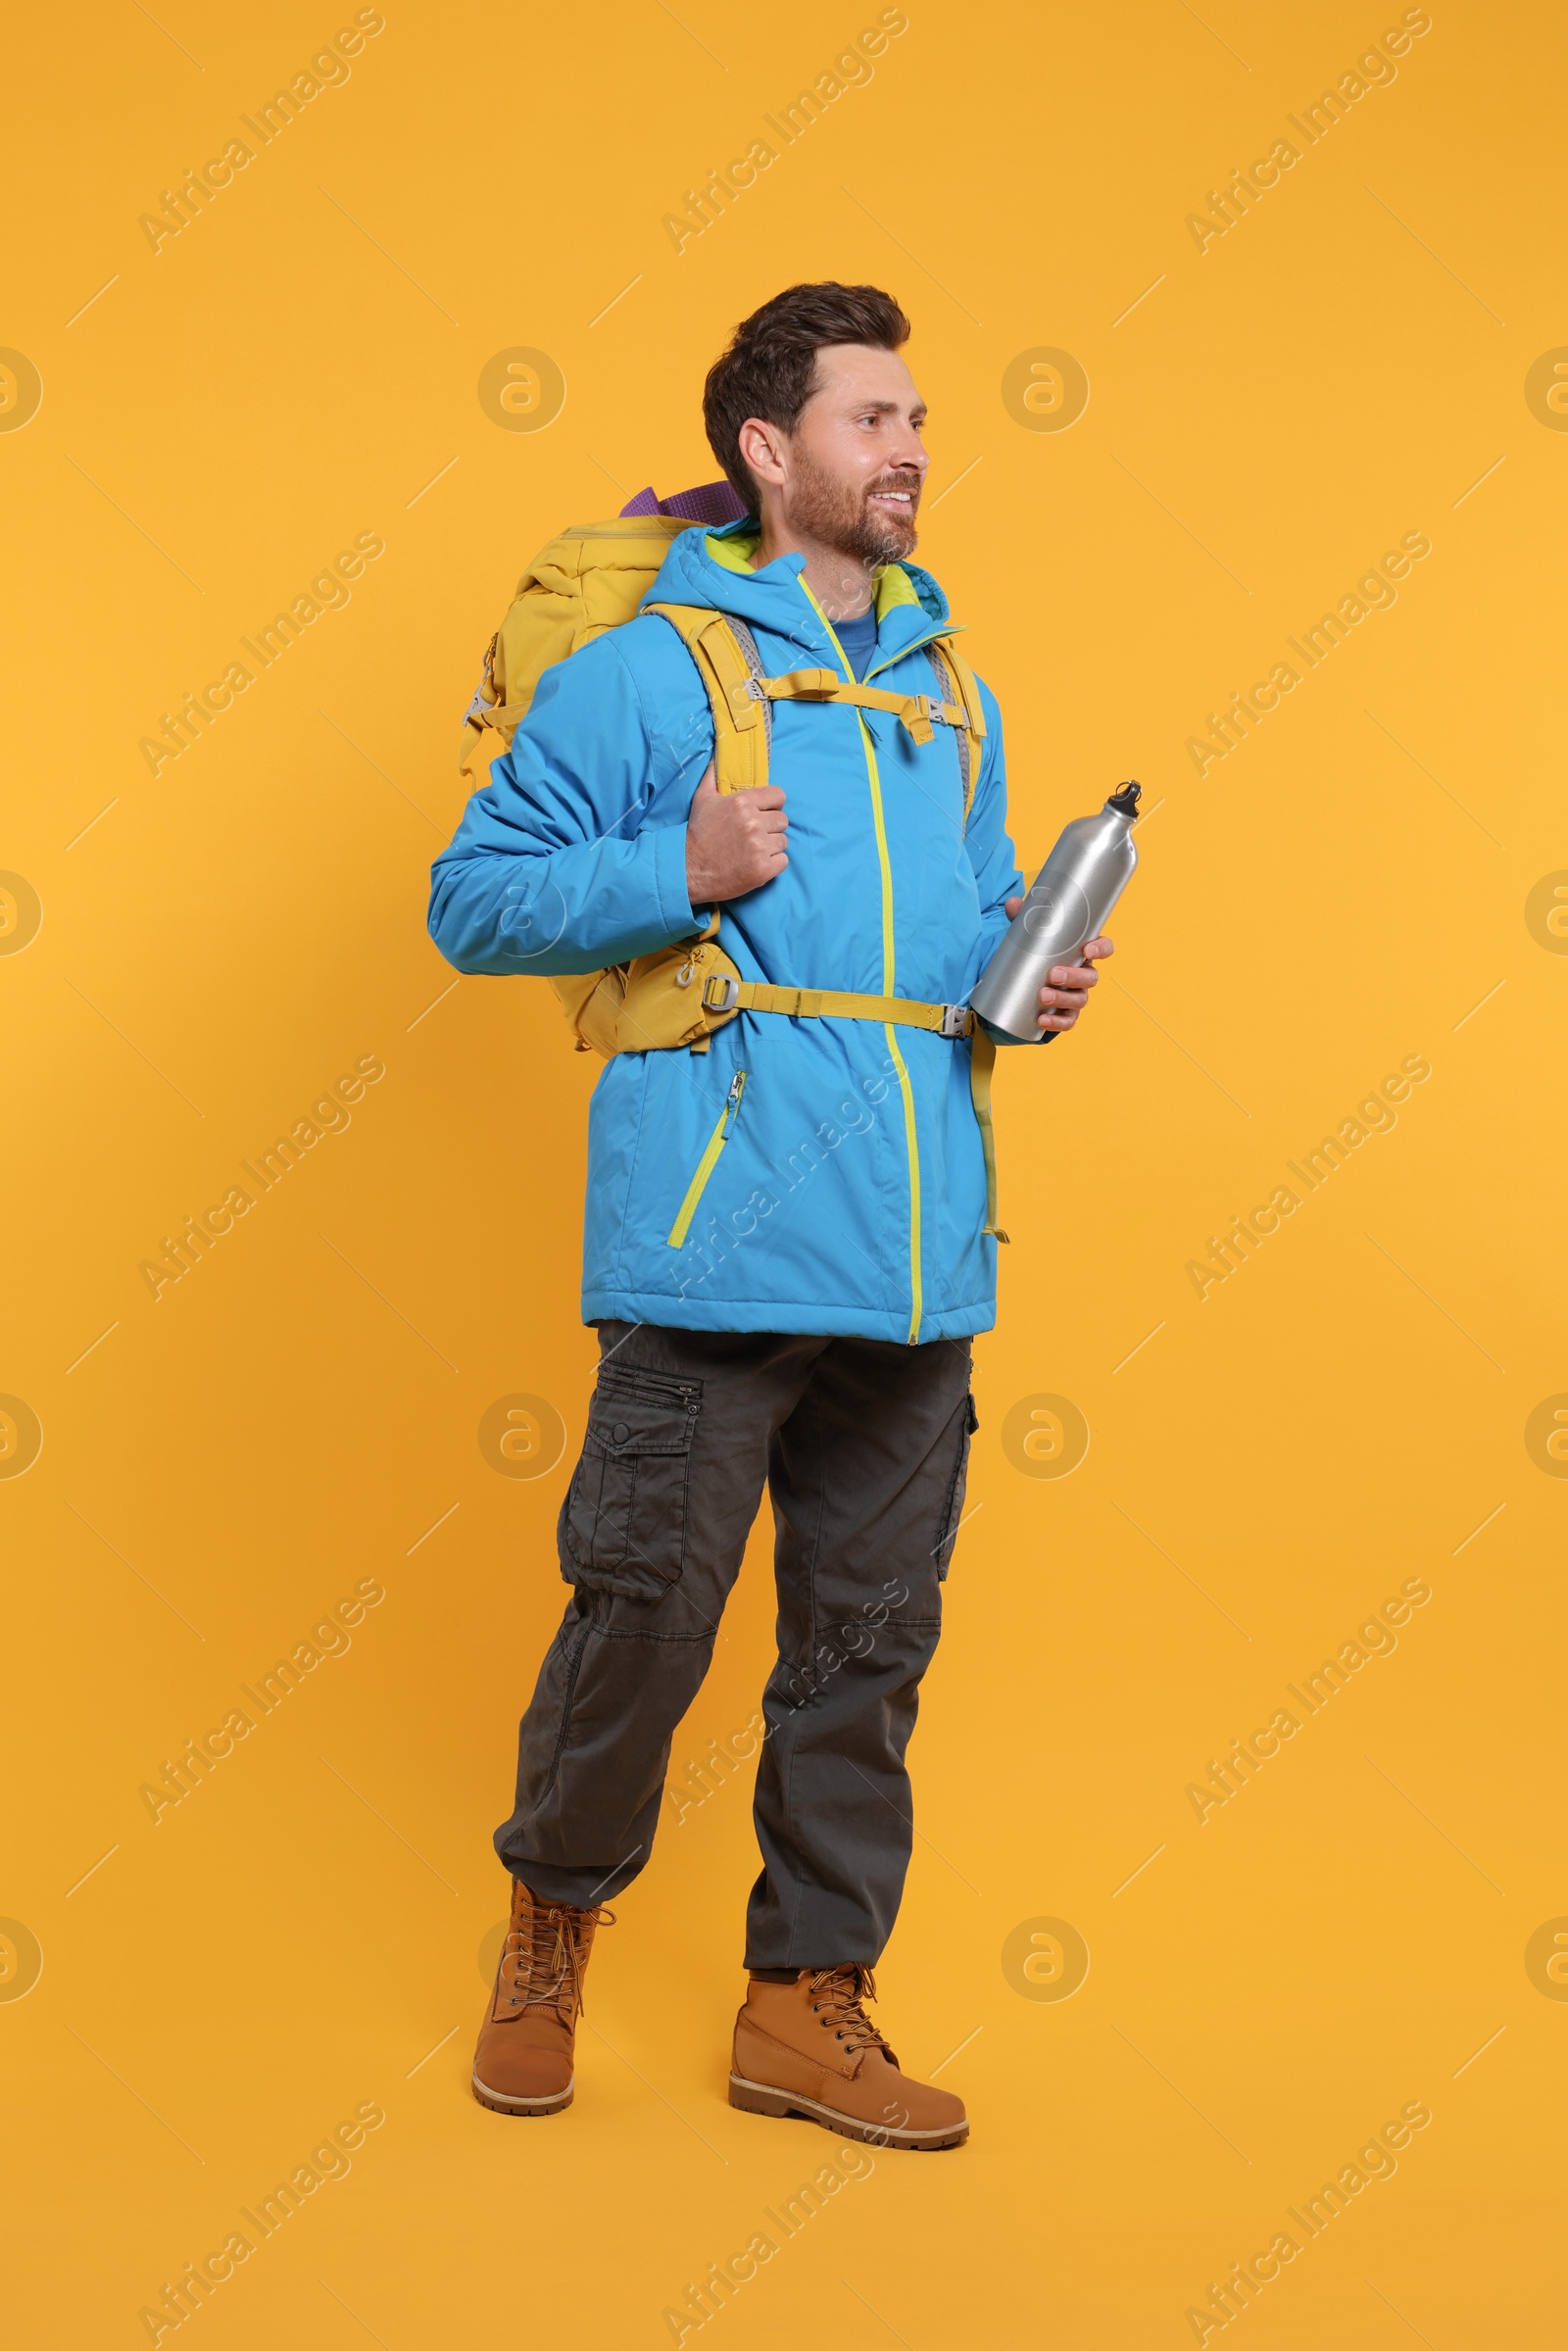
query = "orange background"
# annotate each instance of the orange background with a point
(300, 1414)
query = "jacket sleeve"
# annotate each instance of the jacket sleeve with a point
(990, 852)
(553, 868)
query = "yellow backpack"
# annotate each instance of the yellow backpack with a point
(591, 580)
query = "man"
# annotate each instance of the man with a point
(786, 1252)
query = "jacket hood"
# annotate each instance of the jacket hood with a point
(911, 606)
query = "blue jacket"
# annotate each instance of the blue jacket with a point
(849, 1196)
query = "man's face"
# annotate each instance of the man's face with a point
(854, 466)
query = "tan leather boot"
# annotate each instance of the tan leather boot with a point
(810, 2048)
(523, 2063)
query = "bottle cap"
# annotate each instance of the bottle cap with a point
(1125, 801)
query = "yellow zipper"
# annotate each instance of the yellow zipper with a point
(708, 1161)
(911, 1140)
(933, 636)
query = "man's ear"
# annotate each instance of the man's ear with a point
(762, 448)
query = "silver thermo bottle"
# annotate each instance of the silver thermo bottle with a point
(1073, 893)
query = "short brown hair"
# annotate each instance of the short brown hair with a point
(769, 369)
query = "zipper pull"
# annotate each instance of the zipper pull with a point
(732, 1100)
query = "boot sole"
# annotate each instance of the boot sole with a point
(499, 2102)
(759, 2098)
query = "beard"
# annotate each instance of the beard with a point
(837, 514)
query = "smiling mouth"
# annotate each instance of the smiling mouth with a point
(904, 500)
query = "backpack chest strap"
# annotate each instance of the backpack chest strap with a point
(914, 711)
(741, 697)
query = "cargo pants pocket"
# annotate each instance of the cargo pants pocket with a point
(958, 1482)
(622, 1525)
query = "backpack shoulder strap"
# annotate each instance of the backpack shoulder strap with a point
(730, 668)
(961, 687)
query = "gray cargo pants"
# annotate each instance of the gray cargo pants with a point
(863, 1445)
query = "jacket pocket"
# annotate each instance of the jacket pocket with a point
(623, 1522)
(708, 1161)
(957, 1482)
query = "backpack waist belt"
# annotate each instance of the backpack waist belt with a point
(722, 994)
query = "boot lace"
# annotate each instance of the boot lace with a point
(836, 1996)
(546, 1952)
